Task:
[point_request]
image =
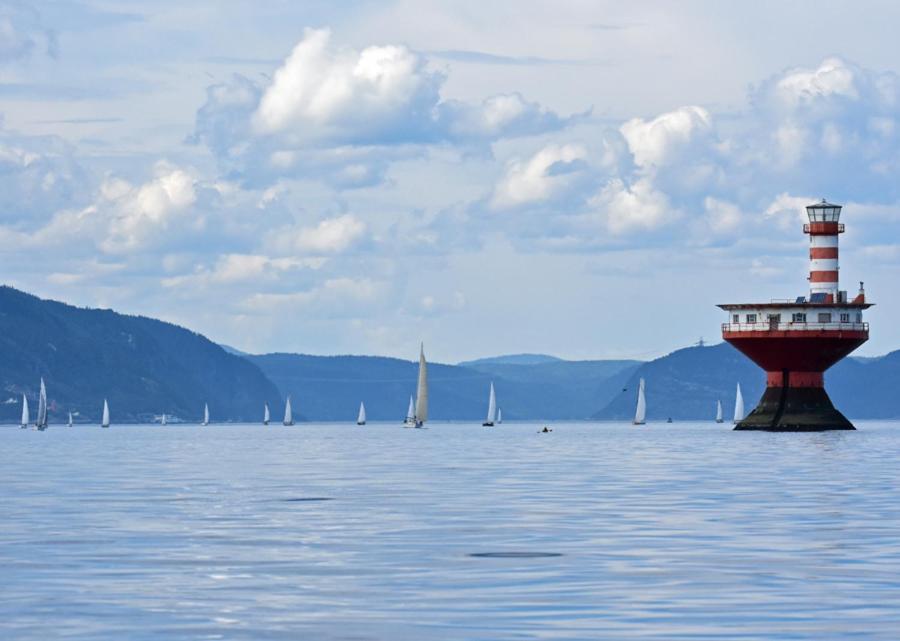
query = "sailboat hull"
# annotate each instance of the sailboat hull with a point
(487, 424)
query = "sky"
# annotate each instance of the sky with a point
(580, 178)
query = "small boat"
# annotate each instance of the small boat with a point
(41, 422)
(69, 424)
(205, 414)
(26, 417)
(640, 412)
(719, 412)
(162, 420)
(361, 418)
(288, 414)
(266, 414)
(492, 409)
(499, 416)
(410, 420)
(669, 420)
(738, 405)
(422, 390)
(104, 422)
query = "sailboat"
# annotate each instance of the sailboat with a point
(69, 424)
(266, 414)
(104, 422)
(205, 414)
(410, 420)
(162, 420)
(288, 414)
(26, 417)
(719, 412)
(738, 405)
(492, 408)
(499, 416)
(640, 412)
(361, 419)
(41, 422)
(422, 390)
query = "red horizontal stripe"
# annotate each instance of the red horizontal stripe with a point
(795, 379)
(823, 277)
(823, 229)
(823, 252)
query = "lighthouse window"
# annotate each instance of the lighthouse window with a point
(799, 318)
(736, 318)
(824, 318)
(845, 318)
(751, 318)
(859, 317)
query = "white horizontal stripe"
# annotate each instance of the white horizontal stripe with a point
(823, 241)
(823, 265)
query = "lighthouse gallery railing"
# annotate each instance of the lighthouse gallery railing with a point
(766, 326)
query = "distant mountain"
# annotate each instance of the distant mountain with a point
(866, 388)
(687, 383)
(331, 387)
(512, 359)
(143, 366)
(233, 350)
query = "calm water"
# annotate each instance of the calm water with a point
(456, 532)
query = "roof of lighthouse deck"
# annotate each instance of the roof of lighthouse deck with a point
(793, 305)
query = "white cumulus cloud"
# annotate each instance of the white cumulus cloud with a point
(546, 173)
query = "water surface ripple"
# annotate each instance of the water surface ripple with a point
(594, 531)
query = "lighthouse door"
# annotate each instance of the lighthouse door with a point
(774, 320)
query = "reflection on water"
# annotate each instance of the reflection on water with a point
(458, 532)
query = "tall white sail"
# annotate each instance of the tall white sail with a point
(266, 414)
(26, 417)
(288, 414)
(410, 420)
(69, 424)
(738, 405)
(104, 422)
(492, 407)
(499, 416)
(41, 422)
(205, 414)
(361, 419)
(163, 420)
(422, 390)
(640, 413)
(718, 411)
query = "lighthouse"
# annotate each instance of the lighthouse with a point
(795, 341)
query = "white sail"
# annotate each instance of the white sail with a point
(499, 416)
(288, 414)
(41, 422)
(410, 419)
(640, 413)
(266, 414)
(738, 405)
(69, 424)
(718, 411)
(163, 421)
(205, 414)
(105, 420)
(492, 407)
(26, 417)
(361, 419)
(422, 390)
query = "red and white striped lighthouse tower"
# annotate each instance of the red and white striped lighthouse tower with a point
(823, 229)
(796, 341)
